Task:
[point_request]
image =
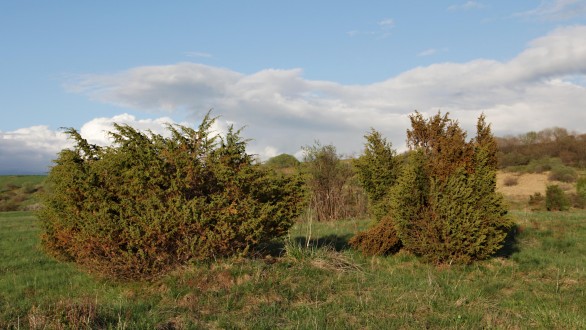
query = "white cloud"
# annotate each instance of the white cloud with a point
(96, 130)
(557, 10)
(541, 87)
(286, 111)
(427, 52)
(468, 5)
(387, 23)
(29, 150)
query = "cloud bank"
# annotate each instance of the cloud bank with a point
(543, 86)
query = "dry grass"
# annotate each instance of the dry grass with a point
(527, 184)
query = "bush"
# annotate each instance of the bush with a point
(282, 161)
(556, 199)
(150, 203)
(511, 181)
(581, 192)
(381, 239)
(378, 169)
(327, 179)
(563, 173)
(444, 206)
(537, 201)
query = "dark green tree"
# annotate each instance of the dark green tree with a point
(378, 169)
(556, 199)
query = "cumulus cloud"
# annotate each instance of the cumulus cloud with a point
(31, 150)
(284, 111)
(557, 10)
(543, 86)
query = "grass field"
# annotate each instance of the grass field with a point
(541, 284)
(20, 192)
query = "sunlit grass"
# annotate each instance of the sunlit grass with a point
(323, 284)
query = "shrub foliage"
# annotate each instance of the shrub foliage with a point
(556, 199)
(444, 206)
(150, 203)
(378, 169)
(328, 179)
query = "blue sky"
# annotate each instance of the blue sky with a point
(292, 72)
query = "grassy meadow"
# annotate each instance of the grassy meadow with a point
(20, 192)
(539, 282)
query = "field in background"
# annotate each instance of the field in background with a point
(20, 192)
(541, 283)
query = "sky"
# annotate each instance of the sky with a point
(290, 72)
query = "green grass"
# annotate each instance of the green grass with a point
(323, 284)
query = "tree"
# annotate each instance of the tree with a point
(378, 169)
(327, 176)
(282, 161)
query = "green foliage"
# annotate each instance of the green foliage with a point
(150, 203)
(327, 180)
(377, 170)
(282, 161)
(581, 192)
(549, 143)
(563, 173)
(556, 199)
(444, 205)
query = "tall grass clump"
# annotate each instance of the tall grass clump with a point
(150, 203)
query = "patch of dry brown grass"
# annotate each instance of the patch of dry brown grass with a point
(527, 184)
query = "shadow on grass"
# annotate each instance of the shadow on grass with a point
(511, 245)
(338, 243)
(276, 248)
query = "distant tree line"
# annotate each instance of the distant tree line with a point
(555, 142)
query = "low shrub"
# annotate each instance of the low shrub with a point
(511, 181)
(381, 239)
(537, 201)
(580, 198)
(282, 161)
(556, 199)
(149, 203)
(563, 173)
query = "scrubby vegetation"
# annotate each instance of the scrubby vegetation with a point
(444, 206)
(149, 204)
(282, 161)
(549, 143)
(333, 194)
(556, 199)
